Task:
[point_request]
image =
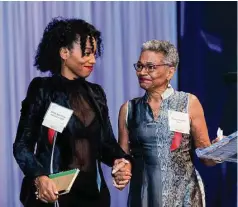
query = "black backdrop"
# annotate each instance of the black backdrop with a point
(207, 42)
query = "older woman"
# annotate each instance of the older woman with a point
(158, 130)
(68, 50)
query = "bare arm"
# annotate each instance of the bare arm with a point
(122, 128)
(198, 123)
(198, 126)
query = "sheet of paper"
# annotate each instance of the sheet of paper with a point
(223, 150)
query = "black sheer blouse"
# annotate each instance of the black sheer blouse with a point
(80, 148)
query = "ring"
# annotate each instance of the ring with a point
(44, 200)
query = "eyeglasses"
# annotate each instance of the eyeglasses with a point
(148, 67)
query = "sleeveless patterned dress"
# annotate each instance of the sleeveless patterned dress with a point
(161, 177)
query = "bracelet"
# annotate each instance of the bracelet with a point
(36, 182)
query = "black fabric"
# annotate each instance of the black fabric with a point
(88, 137)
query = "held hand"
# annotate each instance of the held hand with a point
(217, 139)
(121, 173)
(46, 189)
(211, 162)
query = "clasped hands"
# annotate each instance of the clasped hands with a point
(121, 172)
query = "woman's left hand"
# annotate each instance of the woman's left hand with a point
(121, 173)
(217, 139)
(210, 162)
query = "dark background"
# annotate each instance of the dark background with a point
(207, 42)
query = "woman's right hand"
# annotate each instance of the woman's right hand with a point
(46, 189)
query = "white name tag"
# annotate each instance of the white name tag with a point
(179, 122)
(57, 117)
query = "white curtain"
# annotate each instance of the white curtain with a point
(124, 26)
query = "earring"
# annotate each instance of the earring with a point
(168, 84)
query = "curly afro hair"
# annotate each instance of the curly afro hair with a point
(60, 33)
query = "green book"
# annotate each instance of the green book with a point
(64, 180)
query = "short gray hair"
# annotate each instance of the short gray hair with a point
(160, 46)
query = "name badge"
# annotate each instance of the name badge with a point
(179, 122)
(57, 117)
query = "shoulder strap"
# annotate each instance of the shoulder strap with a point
(130, 112)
